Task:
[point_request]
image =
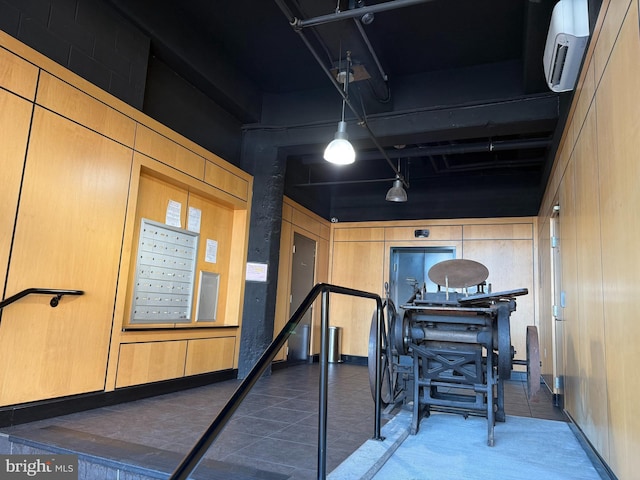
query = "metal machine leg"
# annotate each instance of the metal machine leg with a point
(490, 412)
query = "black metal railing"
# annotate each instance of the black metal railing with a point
(58, 294)
(192, 459)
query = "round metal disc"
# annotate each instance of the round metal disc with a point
(385, 392)
(458, 273)
(505, 352)
(533, 361)
(399, 327)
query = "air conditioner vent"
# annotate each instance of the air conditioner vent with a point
(566, 43)
(558, 67)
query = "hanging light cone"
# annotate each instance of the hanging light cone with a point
(397, 192)
(340, 151)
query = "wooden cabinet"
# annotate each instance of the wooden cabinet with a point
(209, 355)
(213, 239)
(223, 179)
(80, 169)
(14, 130)
(72, 103)
(146, 362)
(68, 235)
(17, 75)
(150, 362)
(165, 150)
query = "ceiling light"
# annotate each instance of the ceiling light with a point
(340, 151)
(397, 192)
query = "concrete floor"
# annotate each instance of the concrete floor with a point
(273, 435)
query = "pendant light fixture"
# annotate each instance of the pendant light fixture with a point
(397, 193)
(340, 151)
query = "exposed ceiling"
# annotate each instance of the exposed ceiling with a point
(452, 93)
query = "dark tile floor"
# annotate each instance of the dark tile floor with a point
(275, 429)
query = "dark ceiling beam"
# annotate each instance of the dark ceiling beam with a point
(505, 117)
(451, 149)
(362, 121)
(205, 68)
(509, 117)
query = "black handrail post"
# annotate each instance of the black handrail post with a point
(324, 372)
(193, 457)
(378, 406)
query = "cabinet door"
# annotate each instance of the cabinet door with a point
(150, 362)
(14, 130)
(68, 235)
(209, 355)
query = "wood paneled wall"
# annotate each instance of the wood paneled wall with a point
(595, 181)
(76, 165)
(360, 259)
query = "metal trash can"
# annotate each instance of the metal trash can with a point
(335, 344)
(299, 343)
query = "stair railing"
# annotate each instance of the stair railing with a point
(193, 458)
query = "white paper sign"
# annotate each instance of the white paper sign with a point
(172, 217)
(211, 252)
(193, 221)
(257, 272)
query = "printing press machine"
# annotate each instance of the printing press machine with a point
(450, 350)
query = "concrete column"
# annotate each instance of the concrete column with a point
(261, 159)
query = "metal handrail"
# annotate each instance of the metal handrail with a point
(193, 458)
(40, 291)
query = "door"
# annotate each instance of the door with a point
(302, 278)
(410, 267)
(557, 296)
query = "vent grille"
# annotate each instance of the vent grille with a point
(558, 66)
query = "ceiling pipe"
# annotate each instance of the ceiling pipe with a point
(448, 168)
(365, 39)
(358, 21)
(299, 24)
(344, 182)
(478, 147)
(474, 167)
(361, 121)
(490, 146)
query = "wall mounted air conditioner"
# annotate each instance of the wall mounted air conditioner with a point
(566, 43)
